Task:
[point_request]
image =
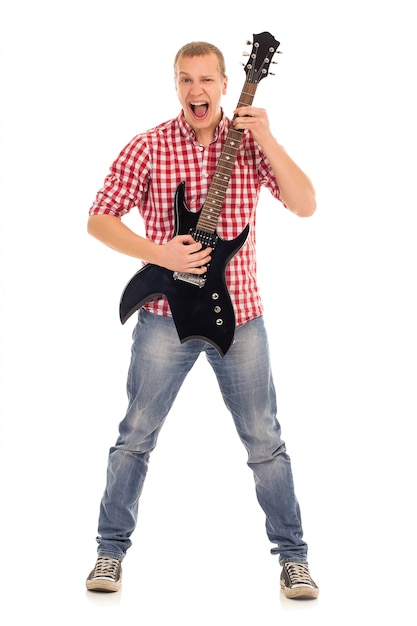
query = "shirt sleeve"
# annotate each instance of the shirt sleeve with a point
(267, 177)
(126, 182)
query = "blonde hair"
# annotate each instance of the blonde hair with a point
(200, 49)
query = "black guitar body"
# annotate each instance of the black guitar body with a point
(199, 312)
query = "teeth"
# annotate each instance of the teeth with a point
(196, 104)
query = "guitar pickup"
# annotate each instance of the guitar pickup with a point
(207, 240)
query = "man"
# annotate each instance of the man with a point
(146, 174)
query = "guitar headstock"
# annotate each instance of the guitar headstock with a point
(263, 49)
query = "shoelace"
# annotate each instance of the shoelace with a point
(299, 573)
(106, 567)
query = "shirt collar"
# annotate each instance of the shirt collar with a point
(188, 132)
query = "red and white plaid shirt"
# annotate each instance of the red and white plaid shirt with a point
(149, 169)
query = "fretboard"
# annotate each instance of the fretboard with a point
(212, 206)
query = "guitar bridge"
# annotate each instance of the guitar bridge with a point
(199, 280)
(208, 240)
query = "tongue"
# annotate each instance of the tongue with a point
(200, 111)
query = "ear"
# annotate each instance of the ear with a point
(224, 90)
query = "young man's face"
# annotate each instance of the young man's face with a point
(200, 86)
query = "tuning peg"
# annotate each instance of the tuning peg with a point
(248, 43)
(245, 54)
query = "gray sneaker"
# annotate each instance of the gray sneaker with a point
(296, 581)
(106, 575)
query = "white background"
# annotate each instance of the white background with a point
(78, 80)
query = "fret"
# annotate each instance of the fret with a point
(212, 207)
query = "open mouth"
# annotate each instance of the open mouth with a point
(199, 109)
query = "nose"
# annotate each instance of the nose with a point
(196, 89)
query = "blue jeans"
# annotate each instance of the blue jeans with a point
(159, 365)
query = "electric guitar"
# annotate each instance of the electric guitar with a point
(201, 306)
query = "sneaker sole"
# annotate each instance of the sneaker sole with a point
(300, 593)
(101, 584)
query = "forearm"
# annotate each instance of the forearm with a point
(296, 189)
(181, 253)
(297, 192)
(111, 231)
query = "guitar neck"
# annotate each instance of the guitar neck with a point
(212, 206)
(264, 48)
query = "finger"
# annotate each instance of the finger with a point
(199, 260)
(188, 240)
(200, 253)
